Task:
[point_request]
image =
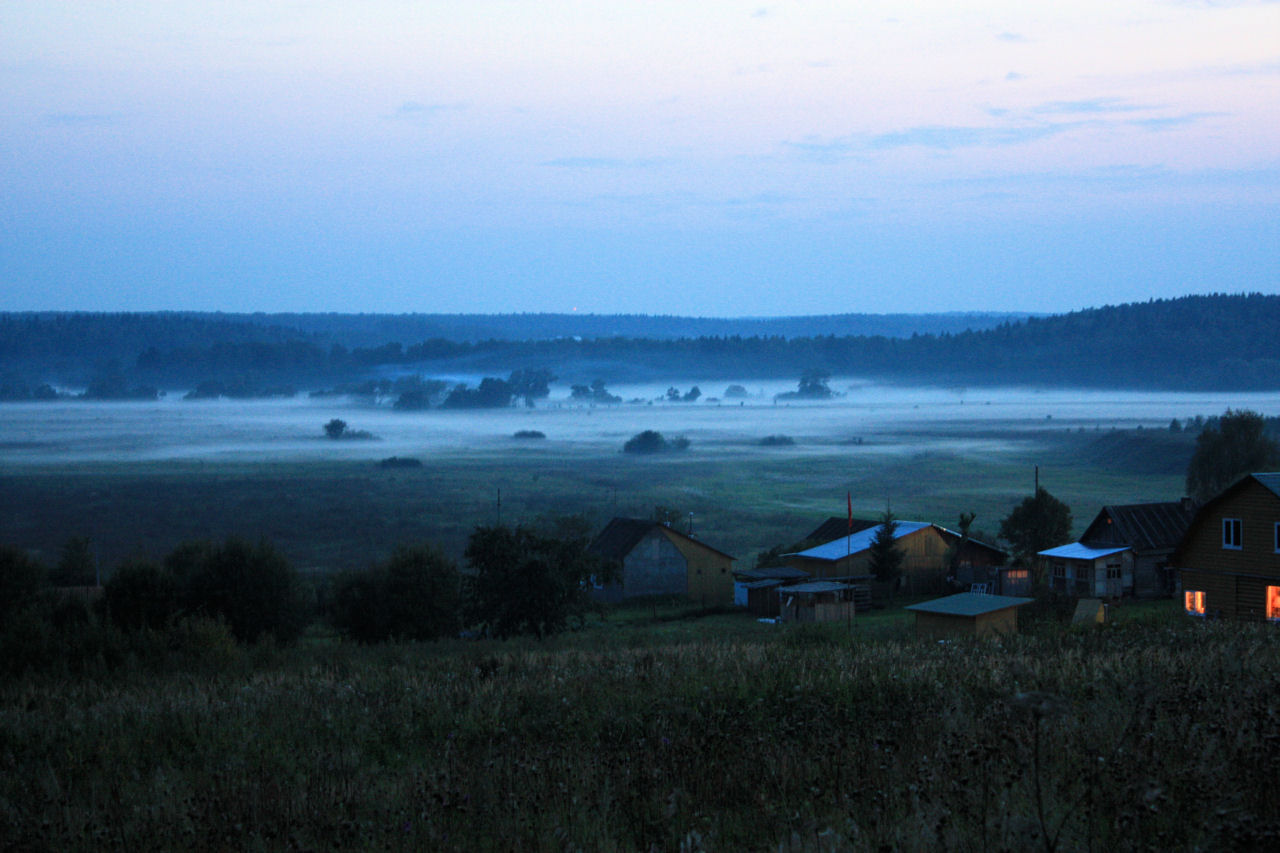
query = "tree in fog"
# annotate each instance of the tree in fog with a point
(885, 559)
(76, 566)
(531, 383)
(1238, 446)
(252, 586)
(335, 428)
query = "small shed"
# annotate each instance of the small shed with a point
(971, 614)
(746, 580)
(817, 601)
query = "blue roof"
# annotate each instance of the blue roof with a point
(840, 548)
(1078, 551)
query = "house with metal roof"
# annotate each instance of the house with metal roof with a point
(968, 614)
(1124, 551)
(924, 546)
(657, 559)
(1229, 559)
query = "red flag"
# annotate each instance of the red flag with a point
(849, 495)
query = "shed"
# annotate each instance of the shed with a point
(1078, 569)
(818, 601)
(971, 614)
(744, 580)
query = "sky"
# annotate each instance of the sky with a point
(707, 159)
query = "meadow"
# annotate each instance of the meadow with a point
(678, 731)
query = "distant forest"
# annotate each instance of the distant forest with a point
(1214, 342)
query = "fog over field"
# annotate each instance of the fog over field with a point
(876, 418)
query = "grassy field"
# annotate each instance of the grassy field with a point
(661, 729)
(329, 515)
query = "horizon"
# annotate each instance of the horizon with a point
(728, 160)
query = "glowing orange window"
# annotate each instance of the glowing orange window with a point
(1273, 603)
(1194, 602)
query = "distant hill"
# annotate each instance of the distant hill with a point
(1214, 342)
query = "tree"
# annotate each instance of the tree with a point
(523, 582)
(965, 524)
(140, 594)
(252, 587)
(1037, 523)
(414, 595)
(76, 566)
(531, 383)
(649, 441)
(1238, 446)
(886, 557)
(335, 428)
(21, 578)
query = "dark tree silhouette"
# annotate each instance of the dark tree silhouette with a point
(1238, 446)
(1037, 523)
(886, 557)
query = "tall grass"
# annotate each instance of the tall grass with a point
(1124, 737)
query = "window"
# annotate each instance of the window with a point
(1113, 571)
(1277, 537)
(1273, 603)
(1231, 535)
(1193, 601)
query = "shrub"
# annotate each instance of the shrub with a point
(400, 462)
(413, 596)
(140, 595)
(252, 587)
(21, 578)
(529, 433)
(652, 441)
(777, 441)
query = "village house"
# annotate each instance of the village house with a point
(657, 559)
(927, 551)
(1124, 551)
(1229, 559)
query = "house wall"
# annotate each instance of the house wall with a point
(656, 567)
(951, 625)
(710, 573)
(1234, 580)
(924, 563)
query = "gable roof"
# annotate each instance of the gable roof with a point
(1145, 526)
(1269, 481)
(621, 535)
(1080, 551)
(837, 526)
(845, 546)
(968, 604)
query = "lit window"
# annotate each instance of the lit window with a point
(1231, 535)
(1273, 603)
(1194, 602)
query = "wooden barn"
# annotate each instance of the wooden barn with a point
(1229, 559)
(968, 614)
(926, 550)
(656, 559)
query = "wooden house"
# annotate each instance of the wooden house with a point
(756, 589)
(1150, 531)
(1077, 569)
(968, 614)
(1229, 559)
(926, 550)
(656, 559)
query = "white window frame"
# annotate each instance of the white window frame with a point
(1277, 537)
(1233, 534)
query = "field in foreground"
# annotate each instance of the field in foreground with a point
(1157, 733)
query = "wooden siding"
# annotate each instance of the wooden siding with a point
(1230, 596)
(654, 567)
(924, 563)
(938, 625)
(1259, 509)
(710, 573)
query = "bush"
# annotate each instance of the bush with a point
(252, 587)
(529, 433)
(413, 596)
(140, 595)
(400, 462)
(652, 441)
(21, 578)
(777, 441)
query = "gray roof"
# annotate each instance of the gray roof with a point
(969, 604)
(815, 587)
(1271, 481)
(783, 572)
(1147, 526)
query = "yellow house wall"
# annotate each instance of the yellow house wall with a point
(710, 572)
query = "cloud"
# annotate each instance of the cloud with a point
(81, 119)
(947, 138)
(1014, 75)
(1165, 122)
(603, 162)
(1091, 106)
(1015, 38)
(417, 111)
(762, 12)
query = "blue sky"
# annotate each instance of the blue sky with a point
(719, 158)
